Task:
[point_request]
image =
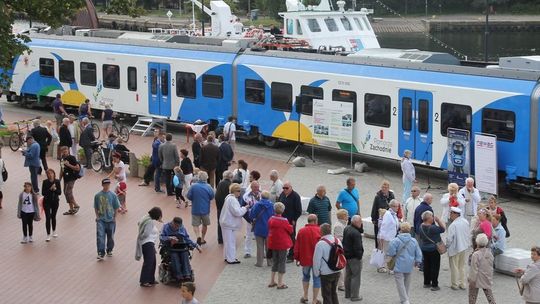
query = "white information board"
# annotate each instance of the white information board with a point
(333, 121)
(485, 163)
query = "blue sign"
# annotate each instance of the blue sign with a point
(458, 155)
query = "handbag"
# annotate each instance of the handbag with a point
(392, 263)
(4, 171)
(377, 258)
(441, 246)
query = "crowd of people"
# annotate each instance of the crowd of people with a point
(408, 234)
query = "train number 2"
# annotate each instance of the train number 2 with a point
(394, 111)
(436, 117)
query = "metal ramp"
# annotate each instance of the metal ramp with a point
(145, 126)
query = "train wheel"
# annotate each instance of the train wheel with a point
(271, 142)
(96, 161)
(14, 142)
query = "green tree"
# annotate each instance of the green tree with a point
(125, 7)
(50, 12)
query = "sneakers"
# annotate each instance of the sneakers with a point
(24, 240)
(436, 288)
(109, 253)
(247, 256)
(143, 184)
(30, 240)
(54, 234)
(48, 239)
(100, 257)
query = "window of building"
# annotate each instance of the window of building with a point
(346, 96)
(455, 116)
(186, 85)
(346, 23)
(298, 27)
(311, 93)
(359, 24)
(377, 110)
(153, 81)
(423, 116)
(132, 78)
(281, 96)
(255, 91)
(313, 25)
(46, 67)
(406, 114)
(67, 71)
(111, 76)
(500, 123)
(88, 74)
(290, 29)
(331, 24)
(212, 86)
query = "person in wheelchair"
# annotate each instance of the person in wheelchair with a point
(175, 242)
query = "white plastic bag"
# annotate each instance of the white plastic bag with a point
(377, 258)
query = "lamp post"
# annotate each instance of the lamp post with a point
(486, 34)
(202, 17)
(426, 9)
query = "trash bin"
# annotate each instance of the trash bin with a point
(254, 14)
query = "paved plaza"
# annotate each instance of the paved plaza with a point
(65, 270)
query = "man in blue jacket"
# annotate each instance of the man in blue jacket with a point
(261, 212)
(174, 236)
(200, 194)
(425, 205)
(32, 161)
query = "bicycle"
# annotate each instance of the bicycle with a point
(101, 157)
(95, 126)
(119, 129)
(18, 139)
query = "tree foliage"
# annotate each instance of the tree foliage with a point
(50, 12)
(125, 7)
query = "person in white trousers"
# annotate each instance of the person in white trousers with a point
(252, 196)
(231, 221)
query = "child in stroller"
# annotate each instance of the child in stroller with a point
(175, 247)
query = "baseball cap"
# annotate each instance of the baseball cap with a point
(105, 181)
(455, 210)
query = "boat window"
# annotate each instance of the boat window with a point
(366, 22)
(164, 82)
(153, 81)
(212, 86)
(500, 123)
(359, 24)
(346, 96)
(313, 25)
(311, 93)
(377, 110)
(186, 84)
(67, 71)
(298, 28)
(290, 23)
(282, 96)
(455, 116)
(406, 114)
(423, 116)
(331, 24)
(111, 76)
(255, 91)
(132, 78)
(346, 23)
(46, 67)
(88, 74)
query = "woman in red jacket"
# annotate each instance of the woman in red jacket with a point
(279, 241)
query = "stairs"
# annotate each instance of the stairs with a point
(145, 126)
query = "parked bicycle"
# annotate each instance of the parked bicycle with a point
(95, 126)
(18, 139)
(119, 129)
(101, 158)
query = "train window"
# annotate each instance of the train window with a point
(298, 27)
(331, 24)
(186, 84)
(346, 23)
(153, 81)
(499, 122)
(455, 116)
(212, 86)
(67, 71)
(346, 96)
(255, 91)
(111, 76)
(282, 96)
(46, 67)
(132, 78)
(359, 24)
(311, 93)
(165, 82)
(313, 25)
(423, 116)
(377, 110)
(407, 113)
(88, 74)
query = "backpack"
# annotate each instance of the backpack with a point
(238, 177)
(4, 172)
(336, 258)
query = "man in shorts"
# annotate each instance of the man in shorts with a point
(59, 110)
(200, 194)
(69, 172)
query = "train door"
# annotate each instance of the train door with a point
(159, 87)
(416, 124)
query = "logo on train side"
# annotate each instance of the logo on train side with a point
(376, 144)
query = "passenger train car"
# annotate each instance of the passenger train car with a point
(398, 104)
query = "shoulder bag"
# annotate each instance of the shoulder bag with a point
(4, 171)
(441, 247)
(392, 263)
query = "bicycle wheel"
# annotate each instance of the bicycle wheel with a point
(124, 133)
(96, 130)
(96, 161)
(15, 141)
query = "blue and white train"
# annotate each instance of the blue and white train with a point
(399, 104)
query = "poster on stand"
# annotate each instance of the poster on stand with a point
(485, 163)
(333, 121)
(458, 156)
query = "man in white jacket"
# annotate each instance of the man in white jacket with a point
(472, 198)
(389, 227)
(457, 242)
(410, 206)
